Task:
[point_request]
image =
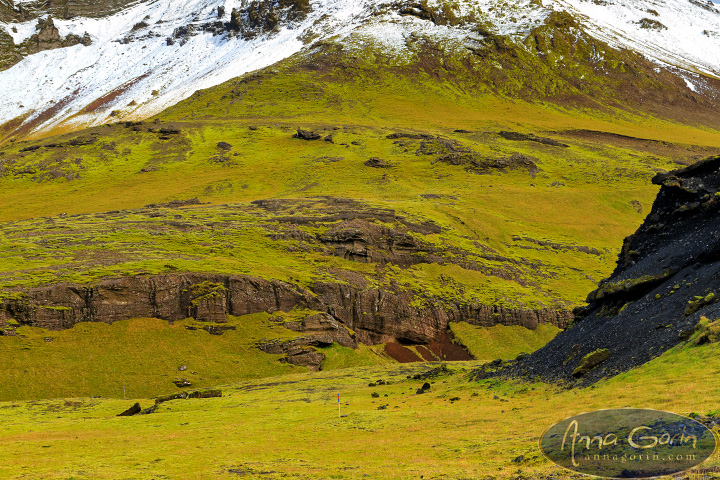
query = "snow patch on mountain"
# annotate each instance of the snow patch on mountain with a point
(127, 64)
(393, 31)
(511, 18)
(20, 31)
(681, 33)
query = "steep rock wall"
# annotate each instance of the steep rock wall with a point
(376, 316)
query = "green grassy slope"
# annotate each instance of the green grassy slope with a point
(501, 342)
(143, 356)
(82, 206)
(289, 426)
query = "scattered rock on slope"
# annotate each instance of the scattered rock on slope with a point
(519, 137)
(307, 135)
(135, 409)
(376, 162)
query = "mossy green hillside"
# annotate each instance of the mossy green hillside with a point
(501, 342)
(586, 195)
(138, 358)
(288, 245)
(337, 357)
(83, 206)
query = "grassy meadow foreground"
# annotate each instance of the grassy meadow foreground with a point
(288, 427)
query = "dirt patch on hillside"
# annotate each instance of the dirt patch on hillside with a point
(401, 354)
(25, 129)
(443, 348)
(425, 353)
(109, 97)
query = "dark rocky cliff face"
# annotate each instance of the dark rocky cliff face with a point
(65, 9)
(667, 278)
(7, 12)
(46, 37)
(376, 316)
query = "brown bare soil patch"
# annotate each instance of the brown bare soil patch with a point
(401, 354)
(441, 349)
(26, 129)
(426, 354)
(445, 349)
(7, 128)
(109, 97)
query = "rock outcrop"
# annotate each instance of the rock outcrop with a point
(46, 37)
(250, 21)
(134, 410)
(65, 9)
(9, 54)
(667, 278)
(7, 12)
(454, 153)
(365, 242)
(319, 330)
(376, 316)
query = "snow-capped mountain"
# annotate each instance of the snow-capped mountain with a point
(144, 56)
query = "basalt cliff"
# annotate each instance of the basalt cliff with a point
(376, 316)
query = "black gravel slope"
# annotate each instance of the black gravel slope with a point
(667, 277)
